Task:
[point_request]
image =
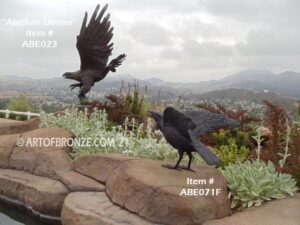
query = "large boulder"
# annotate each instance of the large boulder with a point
(42, 196)
(53, 164)
(95, 208)
(99, 166)
(23, 159)
(78, 182)
(16, 127)
(50, 160)
(277, 212)
(43, 136)
(7, 144)
(164, 196)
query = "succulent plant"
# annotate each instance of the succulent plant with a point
(252, 183)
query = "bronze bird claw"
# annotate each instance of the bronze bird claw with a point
(171, 167)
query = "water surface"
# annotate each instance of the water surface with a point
(12, 216)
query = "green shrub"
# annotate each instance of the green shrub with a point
(3, 103)
(241, 138)
(12, 116)
(22, 117)
(252, 183)
(135, 103)
(20, 103)
(298, 113)
(231, 153)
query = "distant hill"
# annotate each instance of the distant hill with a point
(241, 94)
(286, 83)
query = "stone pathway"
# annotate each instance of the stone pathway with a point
(15, 127)
(7, 122)
(279, 212)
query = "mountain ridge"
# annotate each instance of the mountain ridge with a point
(285, 83)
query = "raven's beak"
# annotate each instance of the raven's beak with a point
(65, 75)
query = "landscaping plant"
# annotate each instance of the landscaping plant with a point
(252, 183)
(135, 141)
(283, 148)
(257, 181)
(118, 107)
(230, 153)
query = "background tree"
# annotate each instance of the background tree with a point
(3, 103)
(20, 103)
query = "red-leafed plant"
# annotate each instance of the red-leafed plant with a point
(283, 147)
(275, 119)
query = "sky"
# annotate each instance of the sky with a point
(174, 40)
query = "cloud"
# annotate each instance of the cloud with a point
(206, 49)
(271, 41)
(199, 39)
(178, 6)
(150, 34)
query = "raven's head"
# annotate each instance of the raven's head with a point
(158, 117)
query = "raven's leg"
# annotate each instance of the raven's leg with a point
(72, 86)
(190, 155)
(84, 90)
(177, 164)
(179, 160)
(87, 84)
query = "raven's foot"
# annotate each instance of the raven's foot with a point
(186, 168)
(72, 86)
(171, 167)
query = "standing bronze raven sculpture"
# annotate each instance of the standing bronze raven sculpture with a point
(183, 129)
(94, 47)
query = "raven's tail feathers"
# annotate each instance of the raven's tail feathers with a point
(209, 157)
(116, 62)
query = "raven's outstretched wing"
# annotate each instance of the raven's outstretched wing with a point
(208, 121)
(199, 122)
(93, 40)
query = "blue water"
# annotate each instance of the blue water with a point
(12, 216)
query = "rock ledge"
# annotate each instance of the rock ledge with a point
(94, 208)
(41, 196)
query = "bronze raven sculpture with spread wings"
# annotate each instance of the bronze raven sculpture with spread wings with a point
(94, 47)
(182, 130)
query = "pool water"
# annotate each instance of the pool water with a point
(12, 216)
